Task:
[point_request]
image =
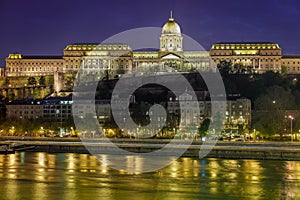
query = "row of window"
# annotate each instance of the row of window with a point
(32, 69)
(35, 63)
(245, 46)
(248, 60)
(293, 68)
(230, 54)
(290, 62)
(24, 112)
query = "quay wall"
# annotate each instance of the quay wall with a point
(227, 152)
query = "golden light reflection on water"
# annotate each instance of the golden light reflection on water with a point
(82, 176)
(134, 163)
(12, 159)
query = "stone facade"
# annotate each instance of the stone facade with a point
(238, 110)
(24, 109)
(261, 56)
(114, 60)
(19, 65)
(292, 63)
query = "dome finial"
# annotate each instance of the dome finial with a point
(171, 16)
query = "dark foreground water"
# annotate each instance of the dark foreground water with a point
(79, 176)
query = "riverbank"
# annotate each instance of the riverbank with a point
(230, 150)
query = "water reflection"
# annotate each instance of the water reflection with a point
(81, 176)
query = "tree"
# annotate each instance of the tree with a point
(2, 99)
(259, 128)
(272, 108)
(284, 69)
(225, 68)
(297, 126)
(31, 81)
(239, 68)
(42, 80)
(7, 81)
(204, 127)
(69, 81)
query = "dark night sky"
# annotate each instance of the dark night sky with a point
(35, 27)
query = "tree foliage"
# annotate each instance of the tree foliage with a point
(204, 127)
(42, 80)
(31, 81)
(272, 106)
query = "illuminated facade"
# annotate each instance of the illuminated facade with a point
(19, 65)
(238, 110)
(117, 59)
(292, 63)
(262, 57)
(57, 108)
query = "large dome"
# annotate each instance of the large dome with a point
(171, 27)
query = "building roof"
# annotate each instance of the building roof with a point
(26, 102)
(146, 50)
(291, 56)
(200, 95)
(42, 57)
(245, 45)
(96, 46)
(67, 98)
(244, 42)
(20, 56)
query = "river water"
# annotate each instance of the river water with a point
(28, 175)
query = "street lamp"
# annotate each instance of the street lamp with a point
(291, 118)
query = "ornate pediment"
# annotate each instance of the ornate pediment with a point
(170, 56)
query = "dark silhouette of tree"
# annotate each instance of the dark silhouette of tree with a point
(204, 127)
(31, 81)
(272, 108)
(42, 80)
(284, 69)
(7, 81)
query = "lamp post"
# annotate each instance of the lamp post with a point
(291, 118)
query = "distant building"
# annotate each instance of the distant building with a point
(189, 107)
(19, 65)
(238, 112)
(114, 60)
(24, 109)
(57, 108)
(261, 56)
(292, 63)
(101, 108)
(194, 111)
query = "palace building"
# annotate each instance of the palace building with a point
(291, 63)
(118, 59)
(262, 56)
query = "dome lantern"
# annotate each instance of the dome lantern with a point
(171, 27)
(171, 39)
